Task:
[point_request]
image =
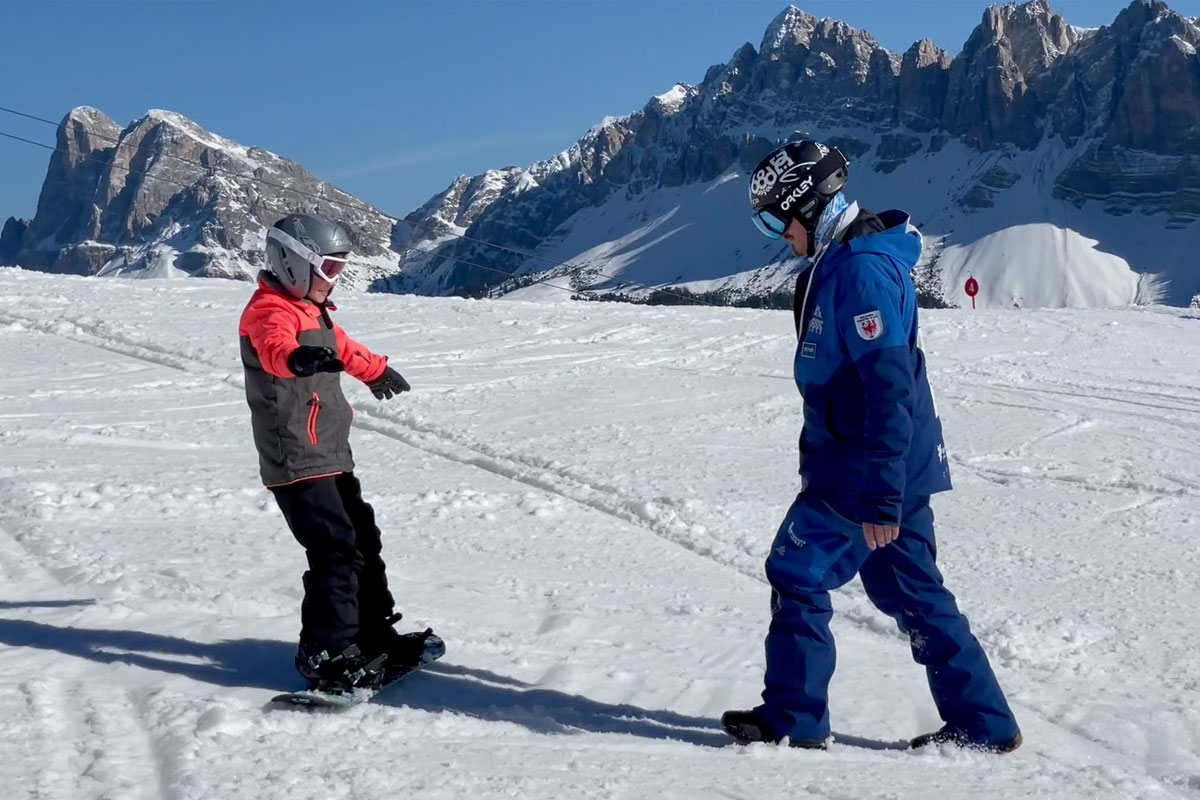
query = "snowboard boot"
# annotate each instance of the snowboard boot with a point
(404, 651)
(950, 735)
(341, 673)
(747, 726)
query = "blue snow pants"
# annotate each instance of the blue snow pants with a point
(817, 550)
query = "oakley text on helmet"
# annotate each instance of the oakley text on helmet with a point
(795, 182)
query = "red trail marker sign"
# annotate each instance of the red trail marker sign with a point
(972, 289)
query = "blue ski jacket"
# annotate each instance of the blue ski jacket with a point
(871, 438)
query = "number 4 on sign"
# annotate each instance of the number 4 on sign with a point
(972, 289)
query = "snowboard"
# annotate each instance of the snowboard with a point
(340, 701)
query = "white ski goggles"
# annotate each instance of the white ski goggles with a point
(325, 267)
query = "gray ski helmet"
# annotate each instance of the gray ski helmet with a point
(299, 242)
(796, 181)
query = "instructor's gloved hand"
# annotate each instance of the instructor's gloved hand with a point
(388, 384)
(309, 359)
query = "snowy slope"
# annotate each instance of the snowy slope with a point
(1027, 247)
(578, 497)
(1040, 265)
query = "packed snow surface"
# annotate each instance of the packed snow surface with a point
(578, 497)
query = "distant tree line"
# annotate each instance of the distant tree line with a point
(929, 295)
(926, 277)
(680, 296)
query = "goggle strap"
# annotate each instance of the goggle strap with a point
(295, 245)
(833, 161)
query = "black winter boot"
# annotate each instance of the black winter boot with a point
(404, 651)
(950, 735)
(747, 726)
(341, 673)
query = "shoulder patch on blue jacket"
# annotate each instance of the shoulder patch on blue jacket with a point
(869, 325)
(871, 300)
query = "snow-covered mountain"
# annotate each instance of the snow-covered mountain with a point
(1053, 164)
(1049, 162)
(164, 197)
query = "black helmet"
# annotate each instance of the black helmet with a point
(796, 181)
(298, 244)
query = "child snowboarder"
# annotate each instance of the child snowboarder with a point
(292, 352)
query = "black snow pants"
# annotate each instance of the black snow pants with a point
(345, 581)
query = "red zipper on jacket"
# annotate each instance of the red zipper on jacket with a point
(314, 406)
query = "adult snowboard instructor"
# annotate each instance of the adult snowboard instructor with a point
(293, 353)
(871, 454)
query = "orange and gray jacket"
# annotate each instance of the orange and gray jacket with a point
(301, 423)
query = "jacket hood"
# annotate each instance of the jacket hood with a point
(900, 239)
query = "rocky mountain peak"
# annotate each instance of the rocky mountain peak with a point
(90, 125)
(84, 136)
(1151, 24)
(453, 210)
(798, 37)
(994, 81)
(671, 101)
(925, 53)
(164, 196)
(1034, 35)
(791, 27)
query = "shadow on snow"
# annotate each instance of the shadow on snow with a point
(478, 693)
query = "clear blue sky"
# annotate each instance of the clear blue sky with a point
(392, 100)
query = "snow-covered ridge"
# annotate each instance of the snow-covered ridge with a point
(673, 99)
(208, 139)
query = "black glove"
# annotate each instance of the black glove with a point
(308, 359)
(388, 384)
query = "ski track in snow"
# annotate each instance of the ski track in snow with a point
(655, 516)
(154, 739)
(538, 474)
(96, 742)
